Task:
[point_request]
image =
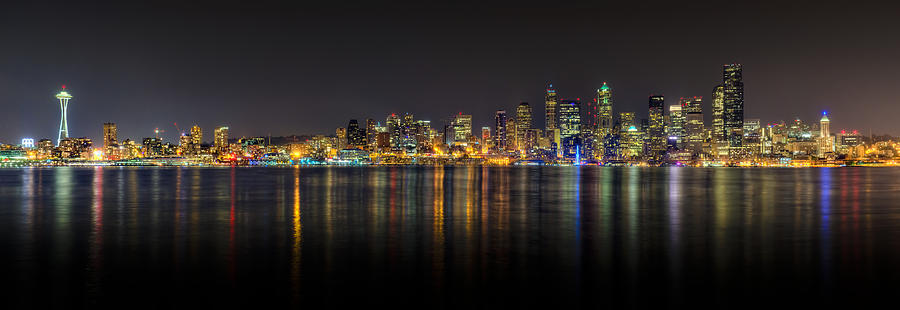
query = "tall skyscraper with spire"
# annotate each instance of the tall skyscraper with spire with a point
(63, 97)
(733, 102)
(551, 105)
(826, 141)
(605, 111)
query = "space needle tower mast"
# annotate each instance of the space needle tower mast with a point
(63, 97)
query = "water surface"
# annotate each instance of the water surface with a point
(448, 237)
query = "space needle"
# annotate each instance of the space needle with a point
(63, 97)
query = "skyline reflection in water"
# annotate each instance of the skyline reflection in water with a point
(448, 236)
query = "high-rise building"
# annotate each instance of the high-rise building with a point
(733, 103)
(676, 124)
(462, 128)
(110, 140)
(393, 125)
(152, 147)
(512, 135)
(500, 130)
(570, 128)
(605, 111)
(693, 125)
(64, 98)
(826, 141)
(551, 104)
(340, 138)
(371, 132)
(485, 138)
(656, 129)
(196, 139)
(221, 139)
(523, 126)
(752, 139)
(718, 114)
(356, 136)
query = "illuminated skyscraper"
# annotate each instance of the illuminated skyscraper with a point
(221, 139)
(110, 140)
(693, 125)
(196, 139)
(605, 111)
(826, 141)
(485, 138)
(718, 111)
(570, 127)
(63, 97)
(371, 132)
(656, 129)
(500, 123)
(523, 125)
(356, 137)
(551, 104)
(676, 124)
(393, 126)
(196, 135)
(733, 103)
(462, 128)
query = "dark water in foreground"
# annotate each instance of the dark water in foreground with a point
(448, 237)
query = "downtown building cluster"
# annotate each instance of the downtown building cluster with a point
(592, 132)
(574, 133)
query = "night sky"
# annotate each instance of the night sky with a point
(282, 68)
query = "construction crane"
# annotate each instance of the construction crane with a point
(157, 131)
(179, 129)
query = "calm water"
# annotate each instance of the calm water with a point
(448, 237)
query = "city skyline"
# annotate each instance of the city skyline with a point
(174, 131)
(159, 66)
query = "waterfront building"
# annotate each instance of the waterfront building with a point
(371, 131)
(196, 140)
(656, 139)
(752, 140)
(220, 139)
(523, 126)
(733, 104)
(27, 143)
(356, 136)
(570, 128)
(485, 139)
(826, 141)
(512, 134)
(551, 104)
(694, 131)
(462, 128)
(340, 139)
(152, 147)
(129, 150)
(393, 126)
(185, 147)
(676, 125)
(110, 141)
(500, 131)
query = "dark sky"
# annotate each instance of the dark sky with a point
(287, 68)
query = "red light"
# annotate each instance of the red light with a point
(64, 86)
